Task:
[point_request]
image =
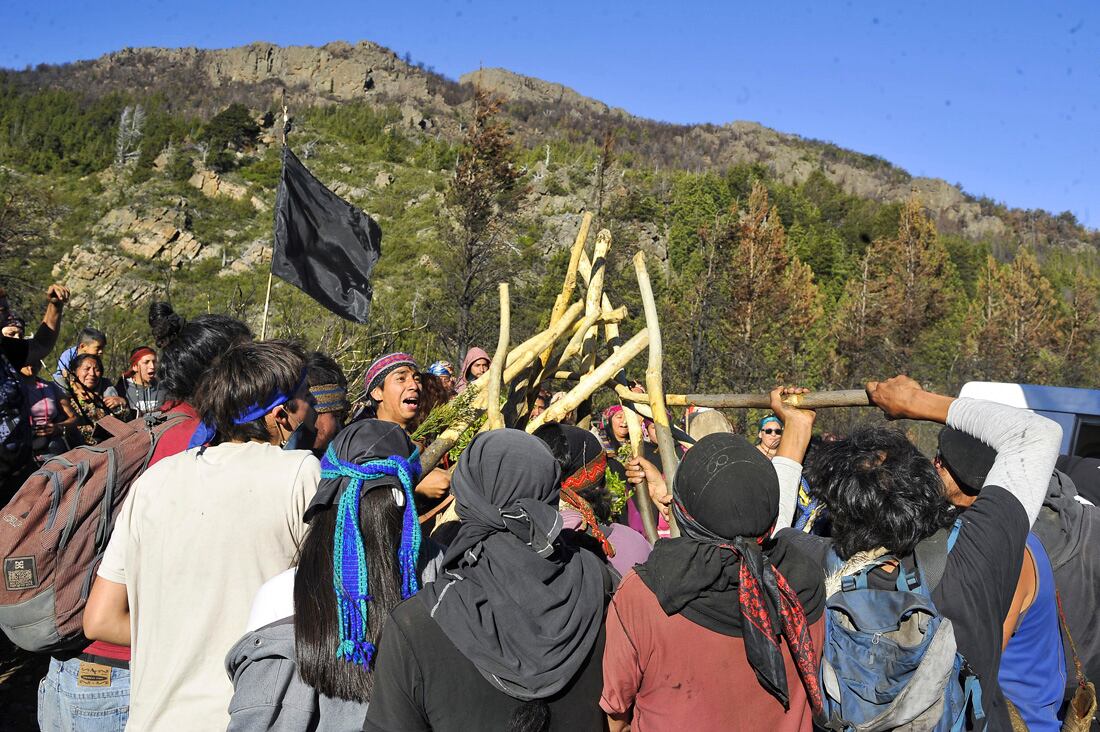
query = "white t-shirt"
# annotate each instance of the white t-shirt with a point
(197, 535)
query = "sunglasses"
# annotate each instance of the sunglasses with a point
(770, 431)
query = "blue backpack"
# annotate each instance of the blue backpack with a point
(890, 659)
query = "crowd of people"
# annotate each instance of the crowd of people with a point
(283, 562)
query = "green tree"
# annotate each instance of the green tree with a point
(480, 221)
(1016, 328)
(903, 285)
(233, 126)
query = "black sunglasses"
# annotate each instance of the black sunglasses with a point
(770, 431)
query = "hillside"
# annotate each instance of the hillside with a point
(175, 206)
(260, 74)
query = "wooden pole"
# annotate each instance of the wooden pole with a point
(592, 306)
(521, 357)
(267, 300)
(592, 381)
(495, 420)
(811, 400)
(642, 498)
(570, 282)
(655, 383)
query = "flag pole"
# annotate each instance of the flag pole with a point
(270, 273)
(267, 301)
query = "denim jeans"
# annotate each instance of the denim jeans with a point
(71, 702)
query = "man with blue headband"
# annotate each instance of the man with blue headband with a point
(201, 531)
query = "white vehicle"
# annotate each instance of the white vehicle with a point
(1076, 410)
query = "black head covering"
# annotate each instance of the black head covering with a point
(368, 439)
(572, 446)
(725, 574)
(523, 608)
(967, 458)
(583, 466)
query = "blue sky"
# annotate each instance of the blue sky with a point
(1000, 97)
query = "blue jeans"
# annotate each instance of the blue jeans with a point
(92, 701)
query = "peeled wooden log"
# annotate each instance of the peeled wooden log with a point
(592, 306)
(592, 381)
(570, 282)
(655, 383)
(642, 499)
(810, 400)
(495, 420)
(519, 359)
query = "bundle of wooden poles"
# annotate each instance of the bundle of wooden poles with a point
(571, 348)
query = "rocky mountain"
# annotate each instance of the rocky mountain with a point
(264, 75)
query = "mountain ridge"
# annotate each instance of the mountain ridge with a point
(266, 74)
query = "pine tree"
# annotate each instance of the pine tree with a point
(1081, 353)
(480, 221)
(1016, 328)
(903, 285)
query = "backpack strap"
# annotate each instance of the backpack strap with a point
(932, 554)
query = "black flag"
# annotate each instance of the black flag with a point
(324, 246)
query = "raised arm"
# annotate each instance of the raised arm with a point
(46, 336)
(1026, 443)
(798, 425)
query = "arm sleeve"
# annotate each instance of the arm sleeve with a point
(1027, 447)
(622, 669)
(397, 685)
(790, 474)
(113, 566)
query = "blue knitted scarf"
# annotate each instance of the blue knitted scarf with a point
(349, 575)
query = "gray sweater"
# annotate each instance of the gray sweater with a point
(268, 692)
(270, 695)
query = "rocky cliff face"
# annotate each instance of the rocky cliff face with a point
(262, 74)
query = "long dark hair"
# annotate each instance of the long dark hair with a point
(316, 629)
(188, 348)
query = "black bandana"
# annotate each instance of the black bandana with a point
(523, 608)
(725, 574)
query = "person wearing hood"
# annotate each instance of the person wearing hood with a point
(510, 636)
(476, 363)
(723, 607)
(139, 384)
(305, 662)
(585, 498)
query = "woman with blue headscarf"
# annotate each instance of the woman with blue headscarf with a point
(307, 661)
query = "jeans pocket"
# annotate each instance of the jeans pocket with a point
(48, 705)
(111, 717)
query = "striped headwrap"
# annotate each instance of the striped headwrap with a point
(383, 365)
(349, 574)
(329, 398)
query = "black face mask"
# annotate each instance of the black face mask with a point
(302, 438)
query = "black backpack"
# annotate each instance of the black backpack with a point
(1070, 532)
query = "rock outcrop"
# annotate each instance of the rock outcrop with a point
(516, 87)
(158, 234)
(99, 277)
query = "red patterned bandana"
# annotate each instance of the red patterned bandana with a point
(591, 474)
